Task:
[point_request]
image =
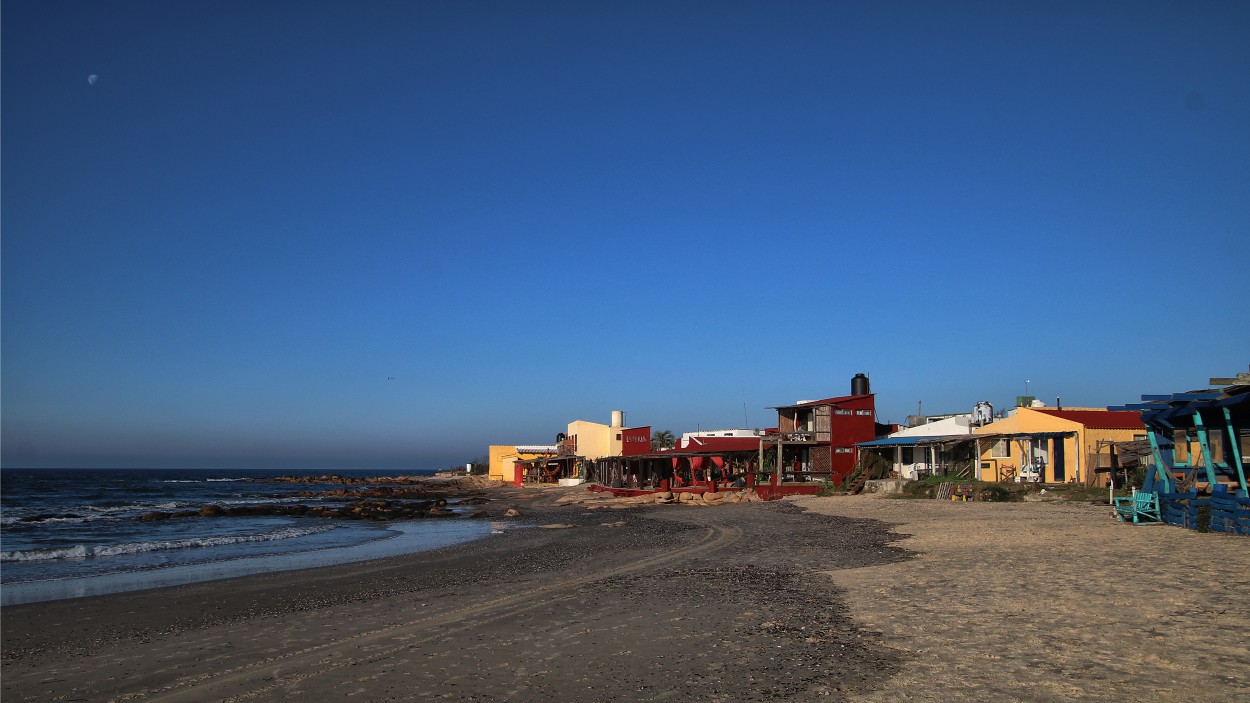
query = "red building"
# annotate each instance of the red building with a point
(635, 440)
(815, 439)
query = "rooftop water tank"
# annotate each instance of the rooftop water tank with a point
(618, 418)
(859, 385)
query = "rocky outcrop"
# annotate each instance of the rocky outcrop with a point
(375, 509)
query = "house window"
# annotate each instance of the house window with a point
(842, 450)
(863, 412)
(907, 455)
(1001, 449)
(618, 436)
(1180, 439)
(841, 411)
(1216, 440)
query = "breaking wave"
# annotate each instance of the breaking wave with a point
(109, 550)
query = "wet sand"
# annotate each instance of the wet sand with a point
(750, 602)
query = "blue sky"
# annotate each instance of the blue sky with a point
(387, 234)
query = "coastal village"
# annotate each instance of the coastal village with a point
(1181, 456)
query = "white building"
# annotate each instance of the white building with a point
(919, 451)
(687, 436)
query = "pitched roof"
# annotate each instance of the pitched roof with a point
(711, 445)
(1099, 419)
(824, 401)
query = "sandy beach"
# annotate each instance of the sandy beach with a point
(811, 599)
(1050, 602)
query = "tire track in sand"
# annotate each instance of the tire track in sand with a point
(262, 676)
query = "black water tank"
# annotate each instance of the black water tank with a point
(859, 385)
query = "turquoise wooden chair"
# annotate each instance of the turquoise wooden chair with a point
(1140, 507)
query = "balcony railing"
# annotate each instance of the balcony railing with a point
(801, 436)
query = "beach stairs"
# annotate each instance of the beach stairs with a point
(855, 484)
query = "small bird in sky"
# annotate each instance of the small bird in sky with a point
(390, 378)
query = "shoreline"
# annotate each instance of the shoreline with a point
(379, 510)
(410, 538)
(844, 598)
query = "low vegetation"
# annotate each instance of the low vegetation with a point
(981, 490)
(1008, 492)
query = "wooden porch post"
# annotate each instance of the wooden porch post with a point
(759, 466)
(780, 453)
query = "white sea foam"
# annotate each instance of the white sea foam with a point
(129, 507)
(106, 509)
(108, 550)
(10, 521)
(265, 501)
(92, 513)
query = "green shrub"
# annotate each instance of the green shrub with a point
(981, 490)
(994, 493)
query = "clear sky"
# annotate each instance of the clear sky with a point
(387, 234)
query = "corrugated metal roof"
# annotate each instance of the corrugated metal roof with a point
(702, 445)
(906, 441)
(825, 401)
(1099, 419)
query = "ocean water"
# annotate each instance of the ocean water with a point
(67, 533)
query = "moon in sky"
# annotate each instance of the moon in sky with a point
(92, 79)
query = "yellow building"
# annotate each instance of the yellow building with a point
(1053, 446)
(503, 456)
(593, 440)
(584, 440)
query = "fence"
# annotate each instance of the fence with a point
(1222, 511)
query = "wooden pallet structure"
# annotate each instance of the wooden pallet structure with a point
(1199, 467)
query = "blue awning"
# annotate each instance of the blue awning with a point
(910, 441)
(889, 442)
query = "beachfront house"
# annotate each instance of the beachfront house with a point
(704, 459)
(815, 440)
(585, 442)
(506, 459)
(931, 448)
(1052, 445)
(1200, 439)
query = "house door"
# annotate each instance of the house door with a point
(1058, 460)
(822, 424)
